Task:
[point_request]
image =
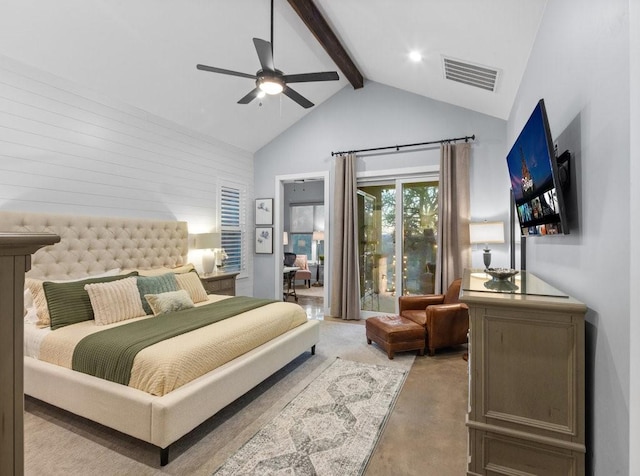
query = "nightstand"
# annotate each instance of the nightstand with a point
(219, 283)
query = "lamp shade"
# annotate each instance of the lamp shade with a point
(318, 236)
(207, 241)
(285, 238)
(486, 232)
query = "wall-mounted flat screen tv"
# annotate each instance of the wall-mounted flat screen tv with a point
(535, 182)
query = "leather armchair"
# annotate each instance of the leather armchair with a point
(445, 318)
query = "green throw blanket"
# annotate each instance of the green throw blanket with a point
(109, 354)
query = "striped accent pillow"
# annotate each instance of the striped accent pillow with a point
(39, 299)
(115, 301)
(69, 303)
(191, 283)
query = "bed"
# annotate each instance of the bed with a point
(93, 246)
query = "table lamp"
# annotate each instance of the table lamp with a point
(486, 232)
(207, 242)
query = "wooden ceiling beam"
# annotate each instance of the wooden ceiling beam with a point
(316, 23)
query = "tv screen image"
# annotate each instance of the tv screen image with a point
(534, 178)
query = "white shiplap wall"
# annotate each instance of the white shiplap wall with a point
(67, 149)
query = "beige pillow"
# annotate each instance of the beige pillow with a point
(301, 262)
(158, 271)
(169, 302)
(115, 301)
(191, 283)
(39, 301)
(39, 298)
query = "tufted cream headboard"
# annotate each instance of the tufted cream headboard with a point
(91, 245)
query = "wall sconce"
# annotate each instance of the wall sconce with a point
(285, 238)
(486, 232)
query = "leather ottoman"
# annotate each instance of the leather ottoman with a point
(395, 334)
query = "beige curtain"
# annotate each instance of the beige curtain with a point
(345, 282)
(454, 251)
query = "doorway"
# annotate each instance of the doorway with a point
(302, 227)
(397, 240)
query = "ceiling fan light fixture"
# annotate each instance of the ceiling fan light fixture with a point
(270, 80)
(271, 85)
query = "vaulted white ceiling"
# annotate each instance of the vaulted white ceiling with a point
(144, 53)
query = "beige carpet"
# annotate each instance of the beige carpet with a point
(58, 443)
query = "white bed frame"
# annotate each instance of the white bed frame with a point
(90, 245)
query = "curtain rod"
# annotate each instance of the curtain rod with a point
(397, 147)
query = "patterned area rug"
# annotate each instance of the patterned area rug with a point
(330, 428)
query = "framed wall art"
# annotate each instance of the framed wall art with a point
(264, 211)
(264, 240)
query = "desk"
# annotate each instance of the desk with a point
(289, 278)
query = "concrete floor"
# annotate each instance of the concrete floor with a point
(424, 435)
(426, 432)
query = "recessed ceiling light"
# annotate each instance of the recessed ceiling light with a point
(415, 56)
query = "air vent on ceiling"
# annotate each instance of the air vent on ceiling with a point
(482, 77)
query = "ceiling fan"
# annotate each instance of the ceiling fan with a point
(270, 80)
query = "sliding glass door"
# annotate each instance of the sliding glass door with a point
(397, 226)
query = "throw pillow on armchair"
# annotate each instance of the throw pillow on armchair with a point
(303, 273)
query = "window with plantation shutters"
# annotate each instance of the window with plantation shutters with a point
(233, 227)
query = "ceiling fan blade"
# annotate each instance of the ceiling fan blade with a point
(265, 53)
(307, 77)
(297, 97)
(249, 97)
(213, 69)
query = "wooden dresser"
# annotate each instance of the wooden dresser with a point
(219, 283)
(526, 377)
(15, 259)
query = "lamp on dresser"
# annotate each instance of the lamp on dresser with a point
(486, 232)
(207, 242)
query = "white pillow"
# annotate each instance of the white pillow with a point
(31, 316)
(28, 300)
(169, 302)
(191, 283)
(39, 299)
(115, 301)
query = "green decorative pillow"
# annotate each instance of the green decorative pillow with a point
(169, 302)
(69, 303)
(155, 285)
